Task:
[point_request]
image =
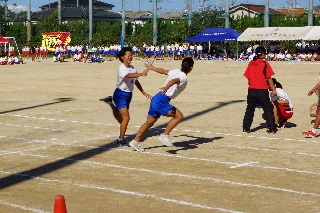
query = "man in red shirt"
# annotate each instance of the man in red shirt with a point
(257, 72)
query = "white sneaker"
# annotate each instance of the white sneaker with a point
(136, 146)
(165, 140)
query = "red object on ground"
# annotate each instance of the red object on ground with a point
(60, 205)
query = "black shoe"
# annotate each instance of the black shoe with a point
(246, 130)
(313, 121)
(272, 131)
(121, 142)
(282, 124)
(107, 99)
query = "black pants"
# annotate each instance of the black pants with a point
(255, 96)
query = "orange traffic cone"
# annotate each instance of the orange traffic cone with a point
(60, 205)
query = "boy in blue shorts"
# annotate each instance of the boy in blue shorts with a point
(160, 103)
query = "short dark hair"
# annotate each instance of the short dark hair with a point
(123, 52)
(259, 50)
(186, 64)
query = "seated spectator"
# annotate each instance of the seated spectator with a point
(314, 57)
(61, 57)
(242, 56)
(10, 61)
(270, 56)
(280, 56)
(308, 56)
(18, 60)
(77, 57)
(4, 60)
(302, 57)
(288, 57)
(93, 59)
(293, 57)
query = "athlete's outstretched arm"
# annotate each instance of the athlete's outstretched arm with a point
(158, 70)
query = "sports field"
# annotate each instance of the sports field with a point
(56, 137)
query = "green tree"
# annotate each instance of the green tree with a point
(78, 30)
(204, 19)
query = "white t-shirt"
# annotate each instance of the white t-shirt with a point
(281, 95)
(126, 84)
(176, 89)
(251, 57)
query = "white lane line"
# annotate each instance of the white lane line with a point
(26, 208)
(268, 150)
(174, 156)
(52, 129)
(244, 164)
(188, 130)
(177, 175)
(122, 191)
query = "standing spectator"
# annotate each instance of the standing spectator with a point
(33, 53)
(257, 72)
(298, 47)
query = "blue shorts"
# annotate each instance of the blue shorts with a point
(122, 99)
(160, 105)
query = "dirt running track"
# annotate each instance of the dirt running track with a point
(56, 137)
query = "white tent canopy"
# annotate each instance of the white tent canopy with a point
(280, 33)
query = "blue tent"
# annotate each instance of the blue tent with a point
(215, 34)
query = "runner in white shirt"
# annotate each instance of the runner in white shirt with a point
(160, 103)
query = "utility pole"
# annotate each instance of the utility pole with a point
(90, 20)
(6, 8)
(155, 23)
(123, 20)
(5, 13)
(292, 9)
(226, 14)
(29, 22)
(189, 9)
(59, 11)
(310, 13)
(266, 13)
(233, 2)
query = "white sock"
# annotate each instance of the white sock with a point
(314, 130)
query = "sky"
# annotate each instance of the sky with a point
(163, 5)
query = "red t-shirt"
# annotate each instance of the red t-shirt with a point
(255, 76)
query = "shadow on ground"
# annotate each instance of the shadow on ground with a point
(19, 177)
(57, 101)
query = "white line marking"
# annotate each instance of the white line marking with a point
(218, 133)
(188, 158)
(22, 207)
(244, 164)
(121, 191)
